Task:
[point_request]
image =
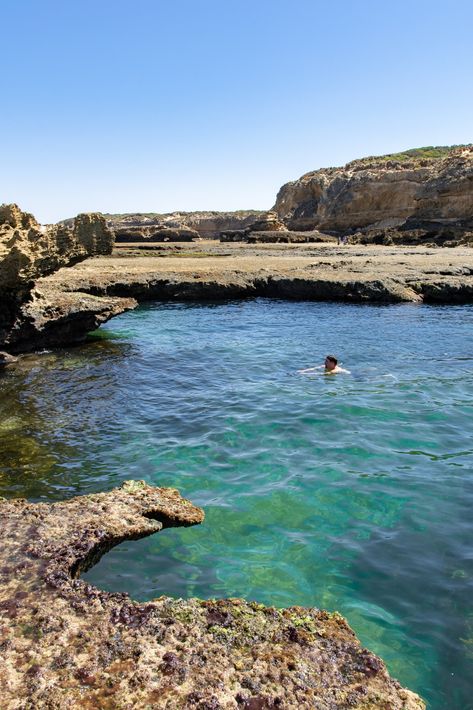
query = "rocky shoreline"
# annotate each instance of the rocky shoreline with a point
(358, 274)
(65, 643)
(64, 306)
(422, 198)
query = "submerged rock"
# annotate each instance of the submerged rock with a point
(67, 644)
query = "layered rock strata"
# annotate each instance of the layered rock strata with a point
(32, 318)
(67, 644)
(189, 225)
(420, 199)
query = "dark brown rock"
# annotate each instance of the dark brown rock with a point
(158, 233)
(6, 359)
(276, 237)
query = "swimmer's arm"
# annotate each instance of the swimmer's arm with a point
(310, 369)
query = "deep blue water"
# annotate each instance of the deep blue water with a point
(349, 492)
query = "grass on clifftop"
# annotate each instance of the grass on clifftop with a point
(429, 152)
(413, 155)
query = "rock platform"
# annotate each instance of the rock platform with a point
(215, 271)
(65, 644)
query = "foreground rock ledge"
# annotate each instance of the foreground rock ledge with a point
(66, 644)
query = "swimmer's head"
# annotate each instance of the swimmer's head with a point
(331, 362)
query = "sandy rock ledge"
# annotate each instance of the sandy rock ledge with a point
(66, 644)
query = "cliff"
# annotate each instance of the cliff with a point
(31, 318)
(67, 644)
(187, 226)
(427, 190)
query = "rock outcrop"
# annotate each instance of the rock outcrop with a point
(29, 317)
(190, 225)
(282, 236)
(421, 199)
(269, 225)
(67, 644)
(154, 233)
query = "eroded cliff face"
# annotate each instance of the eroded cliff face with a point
(188, 226)
(29, 251)
(375, 194)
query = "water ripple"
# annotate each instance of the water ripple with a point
(351, 493)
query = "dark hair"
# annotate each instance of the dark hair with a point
(332, 358)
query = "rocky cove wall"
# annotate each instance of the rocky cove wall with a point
(376, 194)
(30, 318)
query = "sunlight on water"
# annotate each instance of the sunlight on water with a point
(351, 492)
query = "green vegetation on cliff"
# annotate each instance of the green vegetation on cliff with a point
(429, 152)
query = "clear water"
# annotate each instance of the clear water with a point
(349, 492)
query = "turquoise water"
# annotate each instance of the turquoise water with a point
(351, 492)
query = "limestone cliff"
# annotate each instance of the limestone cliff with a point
(29, 251)
(187, 226)
(410, 191)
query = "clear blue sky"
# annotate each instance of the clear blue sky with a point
(146, 105)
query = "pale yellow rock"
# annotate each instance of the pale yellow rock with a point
(374, 192)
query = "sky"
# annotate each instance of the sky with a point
(157, 106)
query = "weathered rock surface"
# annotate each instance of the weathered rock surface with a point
(431, 196)
(276, 236)
(360, 274)
(66, 644)
(6, 359)
(30, 317)
(156, 233)
(268, 225)
(52, 317)
(29, 250)
(207, 225)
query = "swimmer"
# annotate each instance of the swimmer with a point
(330, 366)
